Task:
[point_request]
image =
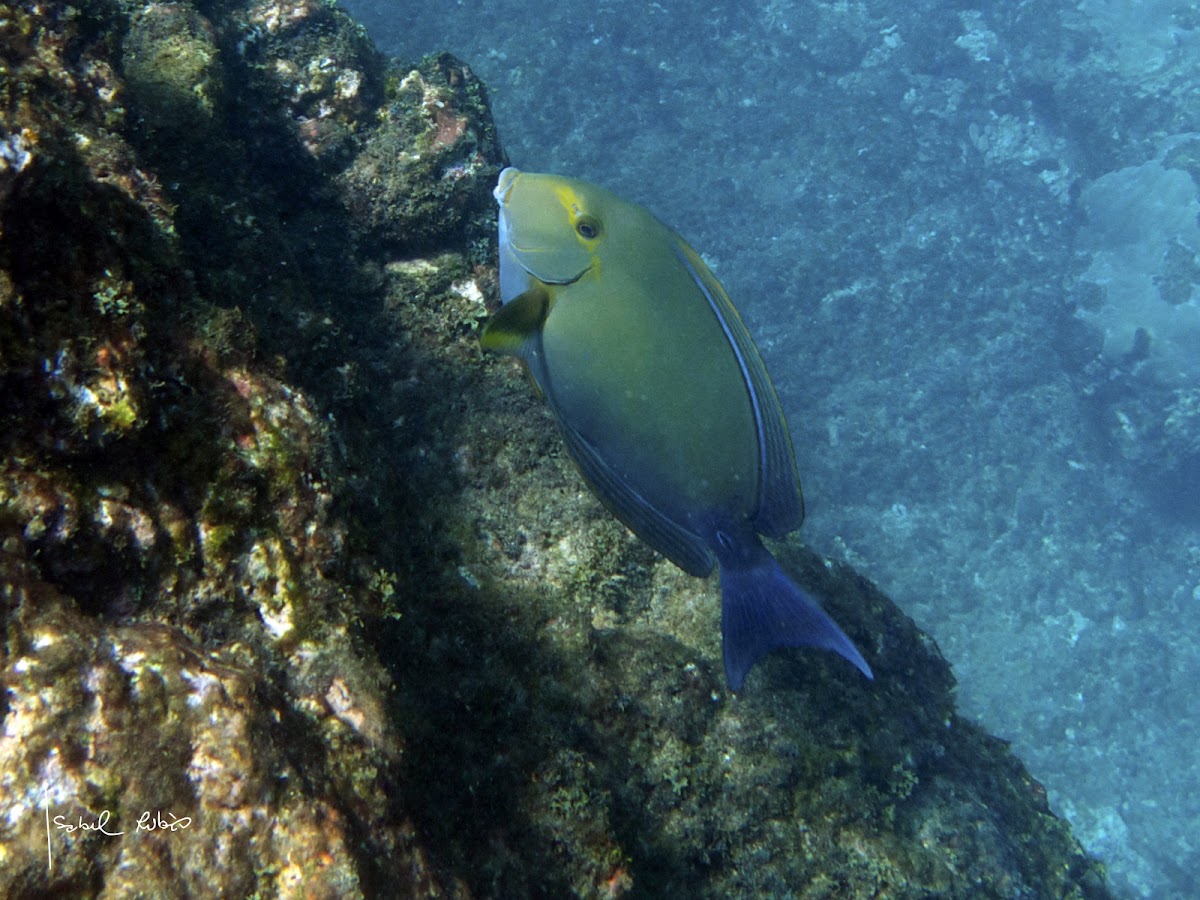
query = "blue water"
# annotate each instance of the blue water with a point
(965, 237)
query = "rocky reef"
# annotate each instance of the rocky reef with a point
(300, 594)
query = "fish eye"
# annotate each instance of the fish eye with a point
(588, 228)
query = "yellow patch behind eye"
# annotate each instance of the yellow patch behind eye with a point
(570, 201)
(575, 213)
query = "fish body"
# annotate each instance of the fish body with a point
(661, 397)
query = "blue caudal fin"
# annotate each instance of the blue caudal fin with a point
(762, 609)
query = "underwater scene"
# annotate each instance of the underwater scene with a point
(310, 589)
(967, 239)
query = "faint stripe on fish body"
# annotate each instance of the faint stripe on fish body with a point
(755, 405)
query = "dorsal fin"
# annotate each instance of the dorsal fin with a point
(780, 504)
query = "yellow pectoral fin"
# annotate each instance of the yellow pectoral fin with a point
(516, 322)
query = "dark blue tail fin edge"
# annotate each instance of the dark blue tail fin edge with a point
(762, 609)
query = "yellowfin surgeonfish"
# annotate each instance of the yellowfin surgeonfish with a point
(661, 396)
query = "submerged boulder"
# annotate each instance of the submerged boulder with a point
(300, 593)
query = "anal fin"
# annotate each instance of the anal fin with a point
(684, 548)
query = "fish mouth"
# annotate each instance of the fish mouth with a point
(504, 184)
(539, 262)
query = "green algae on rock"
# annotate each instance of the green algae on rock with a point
(418, 175)
(282, 556)
(181, 642)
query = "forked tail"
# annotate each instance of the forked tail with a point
(762, 609)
